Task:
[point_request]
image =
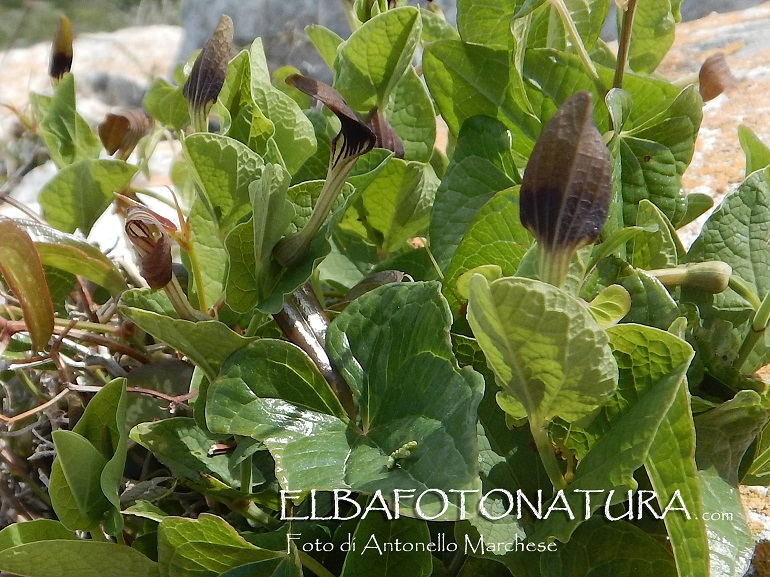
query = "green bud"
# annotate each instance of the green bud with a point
(710, 277)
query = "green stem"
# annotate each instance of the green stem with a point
(756, 332)
(290, 250)
(82, 325)
(198, 276)
(748, 344)
(314, 565)
(246, 479)
(624, 43)
(179, 301)
(577, 42)
(546, 452)
(154, 195)
(744, 290)
(254, 513)
(553, 265)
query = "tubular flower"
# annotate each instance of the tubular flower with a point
(567, 187)
(354, 139)
(61, 51)
(208, 74)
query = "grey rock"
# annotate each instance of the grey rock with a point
(694, 9)
(280, 24)
(113, 89)
(690, 10)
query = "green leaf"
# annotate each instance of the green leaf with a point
(325, 41)
(205, 343)
(88, 471)
(649, 172)
(558, 75)
(32, 531)
(210, 252)
(241, 118)
(610, 306)
(75, 485)
(487, 22)
(410, 113)
(481, 166)
(655, 154)
(68, 253)
(280, 370)
(183, 447)
(375, 533)
(79, 193)
(271, 209)
(278, 79)
(698, 204)
(67, 558)
(671, 467)
(659, 249)
(544, 346)
(223, 168)
(469, 80)
(397, 335)
(506, 460)
(289, 566)
(726, 432)
(398, 200)
(759, 467)
(67, 135)
(757, 153)
(652, 35)
(547, 28)
(736, 233)
(103, 424)
(435, 27)
(294, 135)
(623, 431)
(166, 104)
(203, 547)
(316, 167)
(595, 551)
(146, 510)
(23, 273)
(731, 544)
(370, 63)
(303, 196)
(651, 303)
(619, 105)
(495, 236)
(252, 272)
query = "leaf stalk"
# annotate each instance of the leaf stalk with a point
(547, 454)
(577, 42)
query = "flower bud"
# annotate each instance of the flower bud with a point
(148, 233)
(61, 51)
(120, 132)
(710, 277)
(715, 76)
(567, 187)
(208, 74)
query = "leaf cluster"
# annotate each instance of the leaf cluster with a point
(355, 319)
